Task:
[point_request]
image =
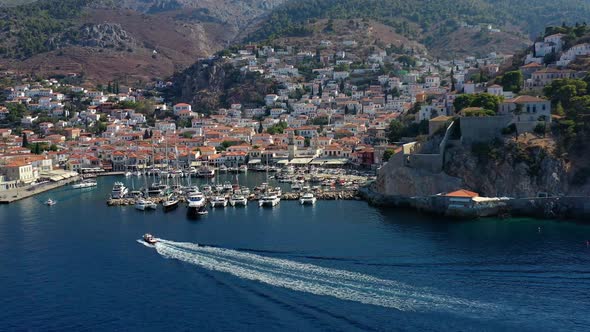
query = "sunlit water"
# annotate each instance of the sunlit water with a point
(339, 265)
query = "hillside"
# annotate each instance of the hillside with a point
(424, 20)
(136, 39)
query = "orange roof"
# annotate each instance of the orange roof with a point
(462, 193)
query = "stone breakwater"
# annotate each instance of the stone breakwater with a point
(291, 196)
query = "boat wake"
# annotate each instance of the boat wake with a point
(319, 280)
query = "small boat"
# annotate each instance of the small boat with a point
(218, 201)
(307, 198)
(85, 184)
(150, 239)
(137, 173)
(119, 190)
(206, 172)
(50, 202)
(223, 168)
(127, 174)
(238, 199)
(227, 186)
(243, 169)
(196, 200)
(202, 211)
(170, 204)
(144, 204)
(296, 186)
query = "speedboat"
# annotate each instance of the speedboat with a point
(50, 202)
(127, 174)
(238, 199)
(144, 204)
(307, 198)
(243, 169)
(150, 239)
(219, 201)
(202, 211)
(170, 204)
(85, 184)
(269, 199)
(119, 190)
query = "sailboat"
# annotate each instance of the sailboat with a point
(270, 197)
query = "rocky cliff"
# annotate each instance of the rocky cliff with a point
(212, 84)
(510, 168)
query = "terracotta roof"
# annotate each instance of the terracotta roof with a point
(525, 99)
(462, 193)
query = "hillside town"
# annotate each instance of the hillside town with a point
(337, 114)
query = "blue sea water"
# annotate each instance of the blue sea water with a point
(339, 265)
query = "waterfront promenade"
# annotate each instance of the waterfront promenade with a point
(9, 196)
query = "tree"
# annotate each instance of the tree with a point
(512, 81)
(387, 154)
(452, 79)
(395, 131)
(462, 101)
(146, 134)
(25, 141)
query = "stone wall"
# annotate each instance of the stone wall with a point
(483, 129)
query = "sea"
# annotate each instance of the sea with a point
(337, 266)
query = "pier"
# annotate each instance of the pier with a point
(16, 194)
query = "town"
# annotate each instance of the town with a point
(332, 108)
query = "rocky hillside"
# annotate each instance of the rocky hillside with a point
(211, 84)
(512, 168)
(140, 39)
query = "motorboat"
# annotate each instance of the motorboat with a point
(307, 198)
(207, 188)
(50, 202)
(238, 200)
(119, 190)
(150, 239)
(127, 174)
(137, 173)
(227, 186)
(218, 201)
(157, 189)
(245, 191)
(88, 183)
(170, 204)
(196, 200)
(243, 169)
(269, 199)
(219, 188)
(223, 168)
(202, 211)
(144, 204)
(296, 186)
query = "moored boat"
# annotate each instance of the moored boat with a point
(269, 199)
(238, 200)
(144, 204)
(307, 198)
(88, 183)
(218, 201)
(119, 190)
(170, 204)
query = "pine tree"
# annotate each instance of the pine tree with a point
(109, 88)
(25, 140)
(452, 80)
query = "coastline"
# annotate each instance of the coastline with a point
(564, 207)
(13, 195)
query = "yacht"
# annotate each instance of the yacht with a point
(269, 199)
(207, 189)
(307, 198)
(50, 202)
(243, 169)
(170, 204)
(157, 189)
(144, 204)
(245, 191)
(296, 186)
(219, 201)
(238, 199)
(119, 190)
(150, 239)
(206, 172)
(196, 200)
(227, 186)
(85, 184)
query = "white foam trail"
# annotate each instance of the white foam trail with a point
(318, 280)
(145, 243)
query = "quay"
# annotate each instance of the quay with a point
(290, 196)
(13, 195)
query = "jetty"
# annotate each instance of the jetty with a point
(13, 195)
